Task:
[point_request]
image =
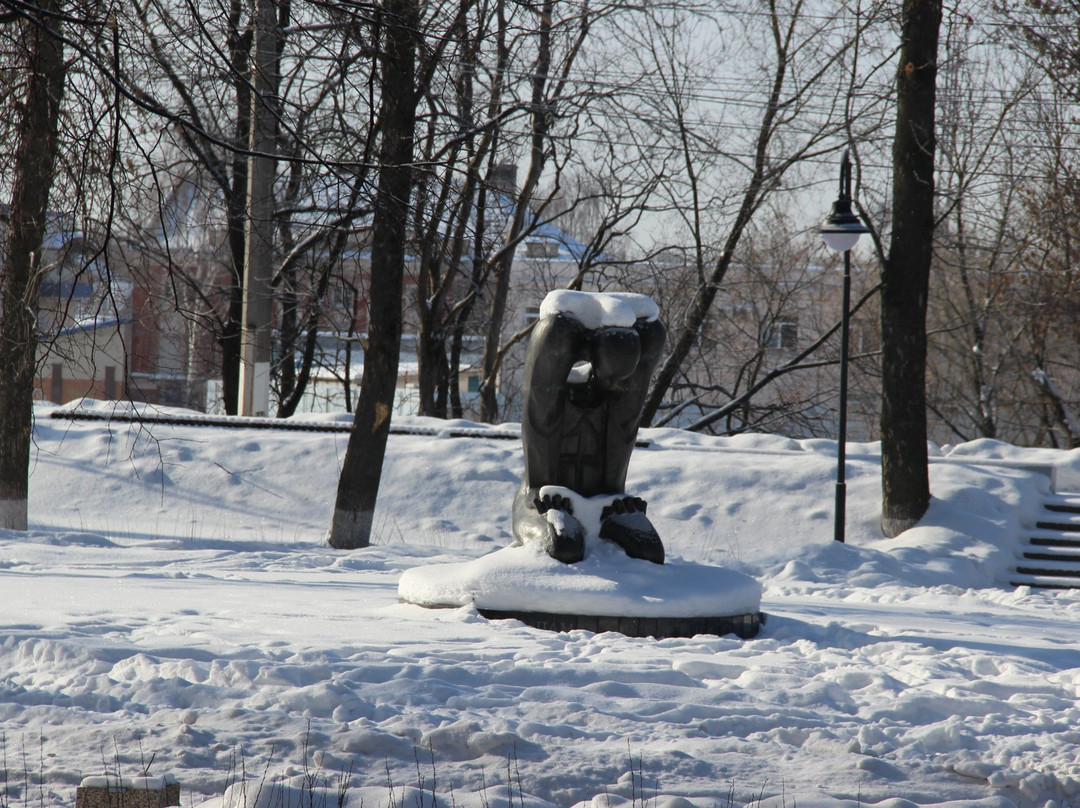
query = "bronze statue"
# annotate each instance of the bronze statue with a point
(587, 371)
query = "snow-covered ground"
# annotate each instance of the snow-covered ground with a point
(175, 603)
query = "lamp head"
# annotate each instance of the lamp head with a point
(842, 228)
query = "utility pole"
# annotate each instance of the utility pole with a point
(255, 339)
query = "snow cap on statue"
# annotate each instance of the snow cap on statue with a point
(600, 309)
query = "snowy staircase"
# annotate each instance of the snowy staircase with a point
(1050, 555)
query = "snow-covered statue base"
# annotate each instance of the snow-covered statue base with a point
(606, 591)
(585, 554)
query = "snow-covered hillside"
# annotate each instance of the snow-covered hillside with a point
(174, 600)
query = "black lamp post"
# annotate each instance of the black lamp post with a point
(841, 231)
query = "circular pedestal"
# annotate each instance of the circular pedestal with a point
(607, 591)
(745, 626)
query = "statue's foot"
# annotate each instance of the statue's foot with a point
(625, 523)
(561, 534)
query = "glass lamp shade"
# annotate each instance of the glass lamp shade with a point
(840, 240)
(841, 230)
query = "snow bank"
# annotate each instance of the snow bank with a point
(175, 598)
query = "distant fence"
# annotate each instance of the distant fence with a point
(241, 422)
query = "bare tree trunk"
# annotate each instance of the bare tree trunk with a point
(905, 482)
(541, 123)
(361, 471)
(20, 279)
(543, 115)
(289, 304)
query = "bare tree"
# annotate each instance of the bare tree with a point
(215, 134)
(460, 140)
(1046, 289)
(1043, 35)
(905, 479)
(320, 131)
(772, 339)
(514, 93)
(796, 123)
(549, 80)
(1045, 32)
(974, 314)
(361, 471)
(40, 62)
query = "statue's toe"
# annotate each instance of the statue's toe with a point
(635, 534)
(564, 538)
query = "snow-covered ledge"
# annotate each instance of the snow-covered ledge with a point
(142, 791)
(1066, 473)
(1061, 468)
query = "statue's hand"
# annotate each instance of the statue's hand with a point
(614, 354)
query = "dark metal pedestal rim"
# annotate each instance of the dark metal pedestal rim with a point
(745, 626)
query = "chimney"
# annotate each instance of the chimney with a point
(503, 177)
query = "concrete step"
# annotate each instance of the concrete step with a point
(1050, 556)
(1050, 571)
(1059, 557)
(1064, 506)
(1042, 582)
(1059, 526)
(1052, 540)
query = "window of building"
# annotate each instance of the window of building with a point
(337, 298)
(782, 334)
(541, 249)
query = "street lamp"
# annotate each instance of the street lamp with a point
(841, 231)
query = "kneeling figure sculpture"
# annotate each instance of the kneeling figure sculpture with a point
(587, 371)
